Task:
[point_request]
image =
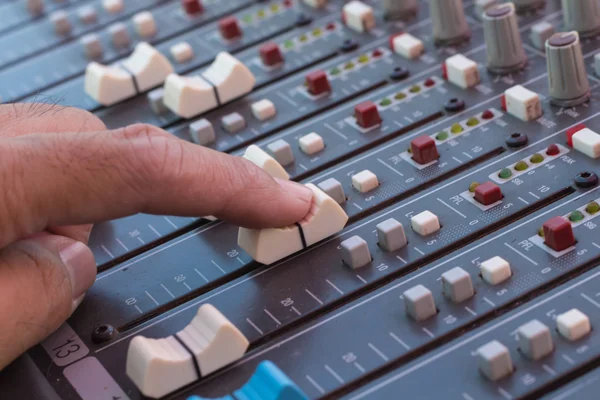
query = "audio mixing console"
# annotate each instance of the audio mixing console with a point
(453, 247)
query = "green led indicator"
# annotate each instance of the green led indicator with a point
(521, 166)
(303, 38)
(335, 71)
(399, 96)
(349, 65)
(505, 173)
(576, 216)
(247, 18)
(443, 135)
(385, 102)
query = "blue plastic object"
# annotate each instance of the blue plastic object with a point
(228, 397)
(269, 383)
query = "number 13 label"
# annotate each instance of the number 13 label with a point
(64, 346)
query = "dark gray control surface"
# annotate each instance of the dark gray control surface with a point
(412, 319)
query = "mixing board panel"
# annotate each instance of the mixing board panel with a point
(460, 138)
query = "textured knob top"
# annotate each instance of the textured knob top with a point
(567, 77)
(398, 9)
(449, 22)
(582, 16)
(502, 39)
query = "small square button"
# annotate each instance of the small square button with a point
(367, 114)
(365, 181)
(488, 193)
(522, 103)
(311, 143)
(457, 285)
(462, 71)
(333, 188)
(182, 52)
(60, 20)
(92, 46)
(587, 142)
(230, 28)
(119, 35)
(202, 132)
(573, 325)
(270, 54)
(494, 360)
(558, 233)
(541, 32)
(281, 151)
(495, 270)
(317, 83)
(358, 16)
(419, 303)
(390, 235)
(425, 223)
(407, 45)
(424, 150)
(355, 252)
(535, 340)
(155, 99)
(144, 24)
(113, 6)
(263, 109)
(233, 123)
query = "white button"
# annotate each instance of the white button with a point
(60, 20)
(108, 85)
(588, 142)
(425, 223)
(407, 45)
(188, 96)
(149, 67)
(365, 181)
(573, 324)
(263, 109)
(311, 143)
(87, 14)
(523, 103)
(112, 6)
(231, 78)
(359, 16)
(495, 270)
(462, 71)
(182, 52)
(161, 366)
(324, 219)
(419, 303)
(144, 24)
(260, 157)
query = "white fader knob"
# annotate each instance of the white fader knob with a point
(148, 66)
(188, 96)
(230, 77)
(567, 77)
(448, 21)
(161, 366)
(324, 219)
(108, 85)
(263, 160)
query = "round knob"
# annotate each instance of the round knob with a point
(526, 5)
(567, 77)
(449, 22)
(582, 16)
(399, 9)
(502, 39)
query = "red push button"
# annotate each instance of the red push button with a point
(317, 82)
(192, 7)
(366, 114)
(270, 54)
(488, 193)
(558, 234)
(230, 28)
(424, 149)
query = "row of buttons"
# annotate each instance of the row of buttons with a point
(535, 342)
(144, 24)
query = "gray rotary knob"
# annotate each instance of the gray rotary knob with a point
(582, 16)
(567, 77)
(449, 22)
(400, 9)
(526, 5)
(502, 39)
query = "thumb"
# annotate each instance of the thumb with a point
(42, 280)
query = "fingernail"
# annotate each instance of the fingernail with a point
(81, 267)
(298, 190)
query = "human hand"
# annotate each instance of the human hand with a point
(61, 170)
